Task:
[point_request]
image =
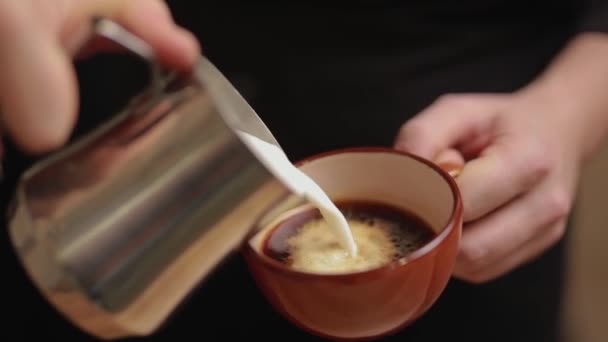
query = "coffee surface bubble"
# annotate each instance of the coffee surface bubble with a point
(382, 234)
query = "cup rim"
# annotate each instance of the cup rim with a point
(451, 224)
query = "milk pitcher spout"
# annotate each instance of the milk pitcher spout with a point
(116, 229)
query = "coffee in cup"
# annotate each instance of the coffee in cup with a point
(383, 234)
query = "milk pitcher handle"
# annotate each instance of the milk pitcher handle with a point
(114, 32)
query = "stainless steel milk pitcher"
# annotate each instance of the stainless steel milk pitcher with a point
(116, 229)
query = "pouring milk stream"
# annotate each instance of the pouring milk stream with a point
(301, 184)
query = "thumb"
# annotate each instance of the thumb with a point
(37, 85)
(451, 161)
(451, 121)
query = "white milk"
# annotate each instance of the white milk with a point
(298, 182)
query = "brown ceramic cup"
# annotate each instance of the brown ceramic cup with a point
(377, 302)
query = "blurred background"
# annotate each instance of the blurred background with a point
(585, 317)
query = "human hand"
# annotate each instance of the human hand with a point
(519, 179)
(39, 38)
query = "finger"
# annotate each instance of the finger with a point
(526, 253)
(474, 146)
(450, 160)
(38, 93)
(497, 237)
(502, 172)
(174, 46)
(450, 121)
(97, 45)
(37, 84)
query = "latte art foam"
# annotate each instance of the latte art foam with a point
(382, 235)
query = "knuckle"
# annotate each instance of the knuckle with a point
(446, 98)
(452, 100)
(557, 232)
(472, 258)
(468, 101)
(557, 204)
(415, 129)
(473, 277)
(537, 164)
(477, 278)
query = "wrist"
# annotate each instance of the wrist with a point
(573, 93)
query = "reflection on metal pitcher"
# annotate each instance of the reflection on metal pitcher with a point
(119, 227)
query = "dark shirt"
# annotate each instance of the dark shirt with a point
(329, 74)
